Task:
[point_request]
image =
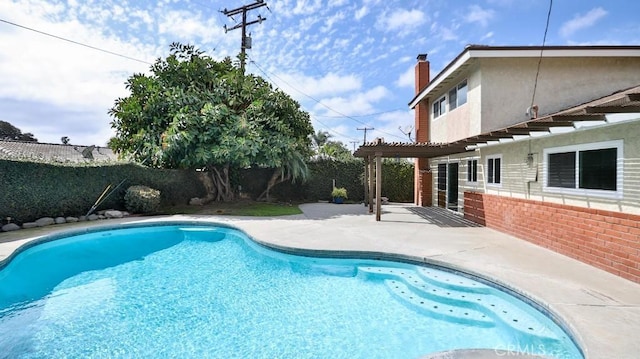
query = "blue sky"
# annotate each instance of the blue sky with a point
(348, 62)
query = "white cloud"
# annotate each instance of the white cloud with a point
(356, 104)
(330, 84)
(580, 22)
(476, 14)
(407, 78)
(361, 12)
(335, 3)
(402, 20)
(332, 20)
(307, 7)
(401, 118)
(488, 35)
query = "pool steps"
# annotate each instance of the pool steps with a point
(449, 297)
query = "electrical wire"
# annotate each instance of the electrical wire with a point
(544, 40)
(76, 42)
(320, 103)
(313, 116)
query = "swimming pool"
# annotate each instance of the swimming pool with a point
(187, 290)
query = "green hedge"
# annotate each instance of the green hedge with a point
(33, 190)
(397, 181)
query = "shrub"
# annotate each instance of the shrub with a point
(340, 192)
(142, 199)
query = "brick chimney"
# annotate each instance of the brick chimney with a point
(422, 109)
(423, 191)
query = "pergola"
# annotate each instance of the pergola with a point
(626, 101)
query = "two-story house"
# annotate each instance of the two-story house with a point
(539, 142)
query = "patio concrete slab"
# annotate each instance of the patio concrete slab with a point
(601, 310)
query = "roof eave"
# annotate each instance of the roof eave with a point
(480, 51)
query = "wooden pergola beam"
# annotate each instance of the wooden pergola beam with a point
(613, 109)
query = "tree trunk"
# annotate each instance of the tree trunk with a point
(222, 190)
(276, 178)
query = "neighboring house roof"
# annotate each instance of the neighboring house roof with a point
(621, 102)
(472, 52)
(49, 152)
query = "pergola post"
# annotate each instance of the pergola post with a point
(366, 180)
(370, 184)
(378, 185)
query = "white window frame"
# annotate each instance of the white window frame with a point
(486, 172)
(617, 144)
(470, 172)
(439, 101)
(457, 89)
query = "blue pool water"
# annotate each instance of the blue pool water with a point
(194, 291)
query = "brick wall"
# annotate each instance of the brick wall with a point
(605, 239)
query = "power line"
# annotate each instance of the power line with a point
(313, 116)
(75, 42)
(366, 115)
(544, 40)
(320, 102)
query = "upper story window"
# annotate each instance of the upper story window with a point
(494, 170)
(439, 107)
(458, 95)
(454, 98)
(588, 169)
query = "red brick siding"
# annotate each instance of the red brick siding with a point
(605, 239)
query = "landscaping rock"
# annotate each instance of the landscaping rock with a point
(195, 201)
(82, 218)
(72, 219)
(101, 216)
(93, 217)
(113, 214)
(29, 225)
(60, 220)
(45, 221)
(10, 227)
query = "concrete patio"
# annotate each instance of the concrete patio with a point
(601, 310)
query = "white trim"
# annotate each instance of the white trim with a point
(486, 171)
(442, 98)
(618, 193)
(577, 52)
(440, 77)
(518, 53)
(469, 170)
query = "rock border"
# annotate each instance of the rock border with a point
(47, 221)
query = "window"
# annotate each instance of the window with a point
(585, 169)
(472, 171)
(458, 95)
(494, 170)
(439, 107)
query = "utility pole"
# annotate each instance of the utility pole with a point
(246, 40)
(354, 145)
(365, 129)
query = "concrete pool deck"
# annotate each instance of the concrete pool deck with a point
(601, 310)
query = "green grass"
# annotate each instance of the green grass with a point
(239, 208)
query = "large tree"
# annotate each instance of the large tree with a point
(195, 112)
(10, 132)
